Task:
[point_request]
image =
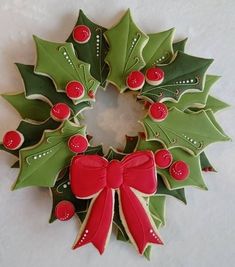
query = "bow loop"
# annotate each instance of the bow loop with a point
(87, 175)
(139, 172)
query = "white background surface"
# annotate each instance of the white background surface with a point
(199, 234)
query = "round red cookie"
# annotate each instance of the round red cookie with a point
(60, 112)
(78, 143)
(75, 90)
(81, 34)
(64, 210)
(135, 80)
(158, 111)
(163, 158)
(13, 140)
(154, 76)
(179, 170)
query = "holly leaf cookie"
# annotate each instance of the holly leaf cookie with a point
(157, 209)
(126, 42)
(94, 50)
(36, 110)
(41, 87)
(41, 164)
(59, 62)
(184, 73)
(180, 45)
(190, 131)
(62, 191)
(32, 133)
(205, 163)
(196, 99)
(158, 49)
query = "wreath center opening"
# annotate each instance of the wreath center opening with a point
(113, 116)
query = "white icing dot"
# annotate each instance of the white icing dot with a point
(35, 157)
(151, 230)
(86, 231)
(65, 185)
(40, 156)
(191, 80)
(187, 81)
(65, 53)
(183, 81)
(97, 36)
(195, 142)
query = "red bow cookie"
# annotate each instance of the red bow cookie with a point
(92, 176)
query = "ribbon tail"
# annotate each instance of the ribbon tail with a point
(140, 227)
(96, 228)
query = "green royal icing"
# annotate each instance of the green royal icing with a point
(41, 164)
(41, 87)
(94, 51)
(35, 110)
(184, 74)
(190, 131)
(180, 45)
(59, 62)
(158, 49)
(126, 42)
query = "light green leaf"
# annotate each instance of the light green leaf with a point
(94, 51)
(190, 131)
(158, 49)
(215, 104)
(195, 177)
(32, 133)
(195, 99)
(41, 164)
(180, 46)
(157, 208)
(41, 87)
(59, 62)
(184, 73)
(126, 43)
(205, 163)
(36, 110)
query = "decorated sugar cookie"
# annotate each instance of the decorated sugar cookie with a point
(127, 187)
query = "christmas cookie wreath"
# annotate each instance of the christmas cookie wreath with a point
(126, 188)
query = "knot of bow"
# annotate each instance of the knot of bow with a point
(133, 177)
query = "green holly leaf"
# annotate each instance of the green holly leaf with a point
(126, 43)
(147, 252)
(157, 209)
(196, 99)
(158, 49)
(94, 51)
(32, 133)
(163, 190)
(41, 87)
(180, 46)
(184, 73)
(205, 163)
(190, 131)
(91, 150)
(40, 164)
(195, 178)
(62, 191)
(215, 104)
(131, 142)
(36, 110)
(113, 154)
(59, 62)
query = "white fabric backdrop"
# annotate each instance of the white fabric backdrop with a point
(199, 234)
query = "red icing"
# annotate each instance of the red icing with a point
(93, 174)
(81, 34)
(135, 80)
(163, 158)
(78, 143)
(154, 75)
(158, 111)
(60, 112)
(13, 140)
(179, 170)
(64, 210)
(74, 90)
